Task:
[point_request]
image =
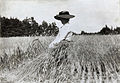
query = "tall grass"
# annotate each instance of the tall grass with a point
(88, 59)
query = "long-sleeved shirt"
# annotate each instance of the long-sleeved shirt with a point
(63, 31)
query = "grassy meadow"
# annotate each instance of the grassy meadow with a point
(87, 59)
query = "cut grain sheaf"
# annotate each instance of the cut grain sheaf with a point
(65, 63)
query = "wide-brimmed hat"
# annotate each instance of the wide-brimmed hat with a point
(63, 15)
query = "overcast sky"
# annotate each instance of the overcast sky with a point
(90, 15)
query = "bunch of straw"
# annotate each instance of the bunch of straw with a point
(73, 63)
(19, 56)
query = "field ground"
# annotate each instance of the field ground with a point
(88, 59)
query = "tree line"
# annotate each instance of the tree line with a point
(11, 27)
(28, 27)
(105, 31)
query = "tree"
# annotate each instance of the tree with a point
(55, 29)
(105, 30)
(117, 30)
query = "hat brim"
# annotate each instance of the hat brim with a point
(59, 17)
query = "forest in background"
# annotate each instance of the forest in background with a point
(12, 27)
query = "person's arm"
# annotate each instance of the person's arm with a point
(68, 34)
(71, 32)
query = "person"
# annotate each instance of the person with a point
(65, 32)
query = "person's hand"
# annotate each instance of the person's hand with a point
(53, 45)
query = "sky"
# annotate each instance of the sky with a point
(90, 15)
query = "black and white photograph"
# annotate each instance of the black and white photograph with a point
(59, 41)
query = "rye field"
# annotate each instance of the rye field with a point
(86, 59)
